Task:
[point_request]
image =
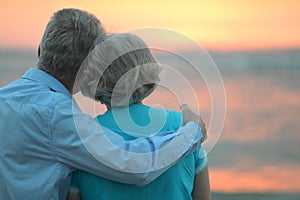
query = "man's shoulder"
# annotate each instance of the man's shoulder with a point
(28, 92)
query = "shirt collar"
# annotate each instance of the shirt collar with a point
(46, 79)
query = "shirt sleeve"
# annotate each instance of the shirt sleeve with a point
(79, 142)
(201, 160)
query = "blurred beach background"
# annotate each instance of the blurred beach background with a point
(256, 46)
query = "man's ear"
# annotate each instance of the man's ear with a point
(39, 52)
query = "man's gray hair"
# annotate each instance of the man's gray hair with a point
(66, 42)
(119, 71)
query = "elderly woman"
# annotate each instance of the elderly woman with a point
(128, 73)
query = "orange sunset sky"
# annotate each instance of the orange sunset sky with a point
(219, 24)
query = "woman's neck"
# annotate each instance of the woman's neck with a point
(109, 107)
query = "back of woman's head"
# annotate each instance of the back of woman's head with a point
(119, 71)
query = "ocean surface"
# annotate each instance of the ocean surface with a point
(257, 154)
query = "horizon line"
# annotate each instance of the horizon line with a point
(24, 48)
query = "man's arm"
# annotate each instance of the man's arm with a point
(79, 142)
(201, 190)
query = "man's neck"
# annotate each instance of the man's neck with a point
(68, 84)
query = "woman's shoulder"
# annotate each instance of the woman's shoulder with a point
(144, 116)
(172, 119)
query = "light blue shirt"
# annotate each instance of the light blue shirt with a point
(44, 136)
(176, 183)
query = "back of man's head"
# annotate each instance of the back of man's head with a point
(66, 42)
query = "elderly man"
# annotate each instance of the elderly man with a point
(44, 136)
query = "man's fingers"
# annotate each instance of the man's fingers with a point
(189, 115)
(185, 109)
(184, 106)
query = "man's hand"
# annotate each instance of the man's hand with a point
(189, 115)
